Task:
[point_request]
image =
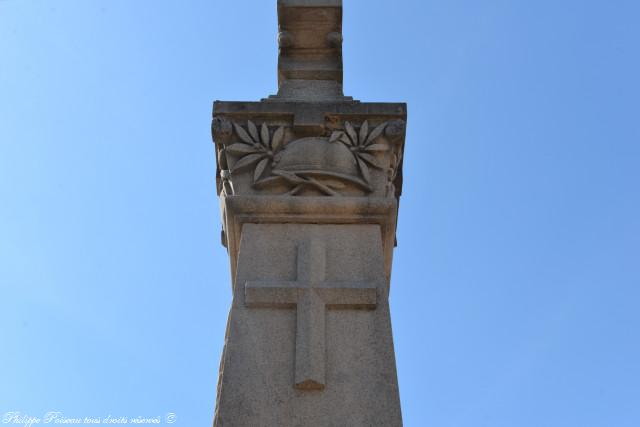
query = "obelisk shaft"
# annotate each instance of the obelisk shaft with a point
(309, 182)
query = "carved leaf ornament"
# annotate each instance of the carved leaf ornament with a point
(257, 148)
(362, 145)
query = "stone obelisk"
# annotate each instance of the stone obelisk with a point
(309, 182)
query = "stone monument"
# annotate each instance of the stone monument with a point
(309, 182)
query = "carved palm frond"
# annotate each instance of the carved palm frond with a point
(256, 147)
(241, 149)
(260, 169)
(364, 170)
(253, 131)
(362, 145)
(264, 135)
(375, 133)
(372, 160)
(376, 147)
(363, 138)
(244, 136)
(364, 131)
(278, 138)
(247, 161)
(351, 132)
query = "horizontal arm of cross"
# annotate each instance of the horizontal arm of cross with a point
(347, 294)
(271, 294)
(333, 294)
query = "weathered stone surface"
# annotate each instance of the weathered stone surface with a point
(356, 367)
(310, 43)
(309, 182)
(310, 295)
(262, 153)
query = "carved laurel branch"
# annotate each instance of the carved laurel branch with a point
(362, 145)
(258, 147)
(255, 148)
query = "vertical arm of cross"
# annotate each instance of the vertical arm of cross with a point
(310, 311)
(310, 294)
(310, 324)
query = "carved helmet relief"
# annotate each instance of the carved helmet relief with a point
(334, 165)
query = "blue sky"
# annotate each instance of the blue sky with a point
(516, 283)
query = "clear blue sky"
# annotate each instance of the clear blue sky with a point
(516, 283)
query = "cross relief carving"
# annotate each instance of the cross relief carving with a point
(311, 295)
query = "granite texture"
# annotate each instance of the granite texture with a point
(263, 349)
(309, 182)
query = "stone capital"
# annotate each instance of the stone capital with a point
(309, 149)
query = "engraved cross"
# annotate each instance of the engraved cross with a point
(311, 295)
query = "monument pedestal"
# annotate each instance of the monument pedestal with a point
(309, 338)
(309, 182)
